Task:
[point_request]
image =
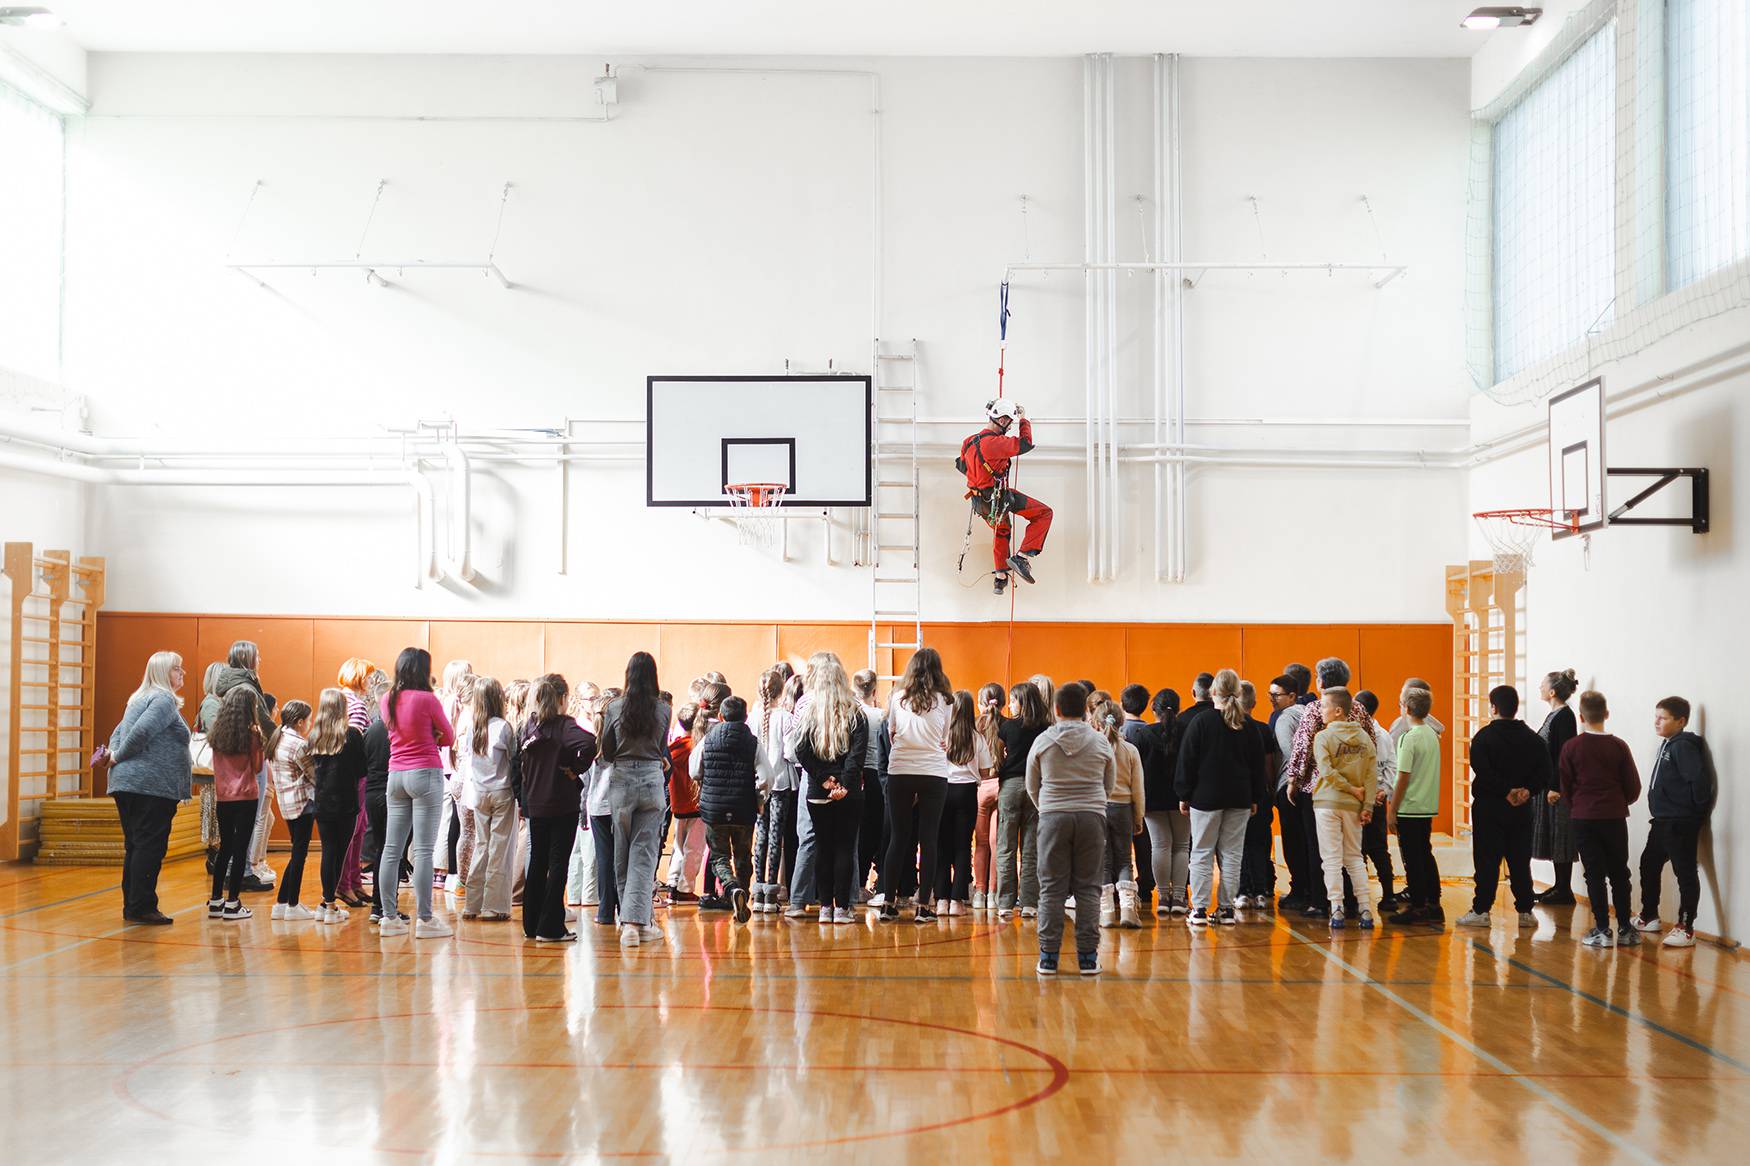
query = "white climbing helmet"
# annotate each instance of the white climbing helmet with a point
(1001, 407)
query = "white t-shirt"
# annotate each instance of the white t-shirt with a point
(486, 772)
(982, 759)
(772, 764)
(920, 740)
(595, 793)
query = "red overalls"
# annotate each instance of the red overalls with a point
(986, 455)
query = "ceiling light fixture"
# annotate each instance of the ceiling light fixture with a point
(1488, 18)
(33, 17)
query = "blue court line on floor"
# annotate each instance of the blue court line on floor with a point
(1616, 1009)
(1537, 1087)
(61, 902)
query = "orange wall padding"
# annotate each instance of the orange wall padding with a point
(300, 654)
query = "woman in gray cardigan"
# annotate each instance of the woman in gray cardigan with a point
(149, 775)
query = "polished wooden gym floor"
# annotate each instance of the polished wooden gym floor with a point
(262, 1042)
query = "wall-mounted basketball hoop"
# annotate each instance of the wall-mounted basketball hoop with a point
(1514, 534)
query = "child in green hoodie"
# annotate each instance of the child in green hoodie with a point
(1343, 802)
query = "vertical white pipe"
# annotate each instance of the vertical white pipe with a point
(1158, 322)
(1112, 319)
(1091, 329)
(1177, 195)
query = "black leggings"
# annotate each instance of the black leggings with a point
(236, 824)
(871, 831)
(292, 878)
(915, 838)
(835, 849)
(959, 816)
(1257, 859)
(336, 833)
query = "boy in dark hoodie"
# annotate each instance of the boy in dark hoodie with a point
(1510, 765)
(1680, 794)
(730, 795)
(1071, 771)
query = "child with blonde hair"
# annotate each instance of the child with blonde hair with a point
(337, 761)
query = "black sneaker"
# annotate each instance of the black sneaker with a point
(1227, 917)
(1000, 583)
(1088, 963)
(924, 914)
(1290, 902)
(714, 903)
(1199, 918)
(738, 901)
(254, 886)
(889, 913)
(1022, 568)
(1406, 917)
(1047, 965)
(1315, 911)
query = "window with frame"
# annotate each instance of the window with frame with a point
(1553, 164)
(1707, 137)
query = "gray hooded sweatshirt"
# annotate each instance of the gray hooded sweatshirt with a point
(1071, 769)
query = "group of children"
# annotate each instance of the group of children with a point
(954, 802)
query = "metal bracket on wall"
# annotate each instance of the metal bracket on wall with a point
(1698, 497)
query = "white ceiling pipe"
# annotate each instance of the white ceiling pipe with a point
(1090, 352)
(1110, 410)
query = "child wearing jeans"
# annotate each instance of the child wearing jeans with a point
(1348, 773)
(293, 785)
(238, 755)
(1071, 772)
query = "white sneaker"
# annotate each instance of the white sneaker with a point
(298, 914)
(1004, 914)
(650, 933)
(278, 913)
(236, 913)
(1472, 919)
(1680, 935)
(841, 915)
(334, 915)
(263, 873)
(1649, 926)
(451, 882)
(433, 928)
(571, 914)
(826, 914)
(1029, 912)
(629, 935)
(941, 906)
(877, 900)
(392, 926)
(978, 900)
(956, 907)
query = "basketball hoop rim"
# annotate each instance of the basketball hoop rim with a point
(756, 495)
(1540, 516)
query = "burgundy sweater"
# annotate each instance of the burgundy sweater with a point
(1598, 777)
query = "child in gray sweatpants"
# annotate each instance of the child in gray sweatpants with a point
(1070, 775)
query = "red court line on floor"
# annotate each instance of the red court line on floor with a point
(1060, 1074)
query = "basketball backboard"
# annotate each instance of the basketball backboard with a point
(812, 434)
(1577, 470)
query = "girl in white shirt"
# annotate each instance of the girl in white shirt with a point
(917, 780)
(970, 761)
(774, 855)
(482, 758)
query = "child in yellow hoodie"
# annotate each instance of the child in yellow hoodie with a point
(1343, 802)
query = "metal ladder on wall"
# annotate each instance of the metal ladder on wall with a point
(893, 535)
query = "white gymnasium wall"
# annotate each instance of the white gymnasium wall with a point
(723, 223)
(1652, 612)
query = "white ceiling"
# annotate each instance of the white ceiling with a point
(1252, 28)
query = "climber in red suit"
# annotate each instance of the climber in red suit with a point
(984, 458)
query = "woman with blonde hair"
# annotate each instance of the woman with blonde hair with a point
(483, 755)
(1126, 808)
(336, 752)
(354, 681)
(1221, 783)
(832, 737)
(149, 775)
(456, 832)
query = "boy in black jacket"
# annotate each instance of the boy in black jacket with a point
(1680, 794)
(730, 795)
(1134, 699)
(1510, 766)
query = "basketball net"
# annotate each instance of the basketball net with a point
(1514, 534)
(756, 507)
